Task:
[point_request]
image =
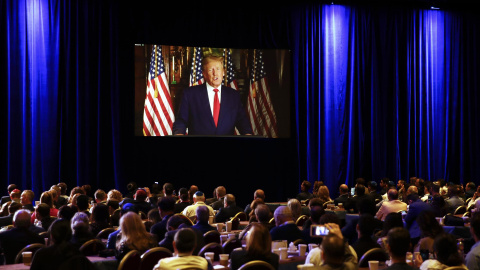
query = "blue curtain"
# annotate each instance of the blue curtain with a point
(60, 87)
(386, 92)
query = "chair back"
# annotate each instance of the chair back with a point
(374, 254)
(131, 261)
(256, 265)
(103, 234)
(301, 220)
(32, 247)
(235, 223)
(189, 221)
(143, 216)
(242, 216)
(272, 221)
(212, 247)
(230, 245)
(299, 241)
(151, 257)
(456, 268)
(212, 236)
(92, 247)
(460, 210)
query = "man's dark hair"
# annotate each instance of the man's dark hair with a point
(360, 190)
(82, 202)
(475, 224)
(185, 240)
(229, 199)
(14, 207)
(366, 206)
(63, 188)
(329, 218)
(11, 187)
(166, 204)
(399, 241)
(183, 193)
(435, 188)
(413, 197)
(113, 203)
(132, 186)
(333, 249)
(315, 202)
(471, 185)
(43, 210)
(307, 185)
(392, 194)
(60, 231)
(202, 214)
(100, 195)
(66, 212)
(365, 224)
(263, 213)
(174, 222)
(360, 181)
(100, 213)
(168, 189)
(316, 213)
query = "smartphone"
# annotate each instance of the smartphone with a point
(318, 231)
(352, 191)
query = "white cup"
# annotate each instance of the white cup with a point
(373, 265)
(46, 241)
(306, 266)
(283, 253)
(210, 219)
(224, 260)
(209, 255)
(220, 227)
(229, 226)
(27, 257)
(302, 249)
(232, 236)
(311, 247)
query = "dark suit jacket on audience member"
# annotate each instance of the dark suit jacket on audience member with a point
(160, 228)
(61, 201)
(288, 231)
(13, 240)
(341, 199)
(353, 202)
(65, 256)
(6, 220)
(29, 207)
(240, 257)
(180, 206)
(5, 199)
(204, 227)
(364, 244)
(414, 210)
(302, 196)
(218, 204)
(224, 214)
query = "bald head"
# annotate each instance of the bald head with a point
(412, 190)
(259, 194)
(282, 214)
(392, 194)
(343, 189)
(21, 219)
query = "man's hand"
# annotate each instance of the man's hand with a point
(333, 228)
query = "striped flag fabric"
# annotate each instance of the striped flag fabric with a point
(196, 75)
(260, 109)
(229, 72)
(158, 114)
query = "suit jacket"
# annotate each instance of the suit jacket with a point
(6, 220)
(159, 229)
(414, 210)
(204, 227)
(341, 199)
(195, 113)
(13, 240)
(452, 203)
(288, 231)
(226, 213)
(218, 204)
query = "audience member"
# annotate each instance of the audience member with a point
(416, 206)
(42, 212)
(131, 189)
(392, 205)
(46, 198)
(63, 191)
(14, 197)
(183, 246)
(296, 208)
(62, 254)
(114, 194)
(100, 218)
(365, 232)
(229, 210)
(372, 192)
(352, 203)
(344, 195)
(392, 220)
(429, 229)
(257, 194)
(114, 211)
(7, 198)
(258, 247)
(27, 200)
(133, 236)
(453, 201)
(184, 200)
(263, 216)
(316, 213)
(384, 185)
(83, 204)
(80, 229)
(324, 194)
(202, 220)
(438, 205)
(365, 206)
(198, 200)
(73, 192)
(166, 207)
(285, 229)
(472, 260)
(175, 223)
(469, 190)
(100, 197)
(305, 193)
(168, 190)
(66, 212)
(13, 240)
(398, 246)
(12, 208)
(446, 254)
(193, 189)
(251, 216)
(221, 192)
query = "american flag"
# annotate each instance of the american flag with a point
(260, 108)
(196, 75)
(158, 115)
(229, 73)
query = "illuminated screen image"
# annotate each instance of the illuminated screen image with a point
(202, 91)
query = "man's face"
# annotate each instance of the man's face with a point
(213, 73)
(24, 199)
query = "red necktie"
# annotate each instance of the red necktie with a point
(216, 107)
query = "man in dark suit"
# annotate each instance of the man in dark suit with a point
(27, 200)
(13, 240)
(12, 208)
(211, 108)
(184, 200)
(220, 192)
(174, 224)
(365, 232)
(343, 198)
(5, 199)
(229, 210)
(286, 228)
(416, 206)
(166, 207)
(202, 220)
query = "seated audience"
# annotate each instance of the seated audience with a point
(13, 240)
(398, 246)
(263, 216)
(372, 192)
(316, 213)
(392, 205)
(43, 217)
(26, 198)
(251, 216)
(415, 207)
(100, 218)
(100, 197)
(296, 208)
(469, 190)
(114, 211)
(12, 208)
(365, 206)
(220, 192)
(80, 229)
(184, 201)
(344, 195)
(446, 253)
(324, 194)
(112, 238)
(305, 193)
(114, 194)
(202, 220)
(83, 204)
(285, 229)
(153, 217)
(198, 200)
(46, 198)
(193, 189)
(175, 223)
(133, 236)
(312, 203)
(438, 205)
(7, 198)
(353, 203)
(14, 197)
(365, 231)
(183, 246)
(257, 194)
(66, 212)
(453, 201)
(392, 220)
(429, 229)
(229, 210)
(333, 253)
(472, 260)
(258, 247)
(166, 207)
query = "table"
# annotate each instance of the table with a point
(100, 263)
(287, 264)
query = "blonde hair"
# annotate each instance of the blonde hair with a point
(47, 198)
(296, 208)
(133, 233)
(259, 241)
(115, 195)
(324, 194)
